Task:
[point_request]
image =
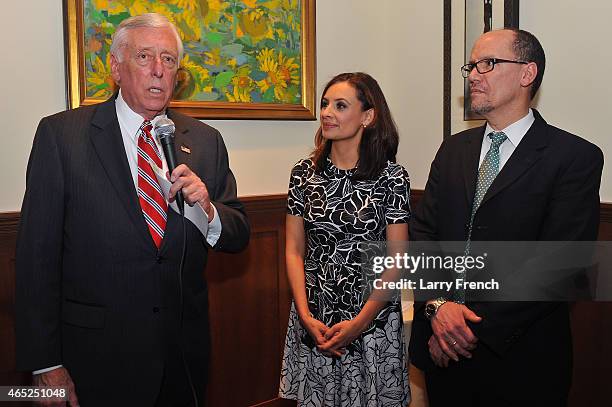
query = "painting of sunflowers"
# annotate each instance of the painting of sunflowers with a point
(243, 58)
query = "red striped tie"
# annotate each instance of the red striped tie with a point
(152, 201)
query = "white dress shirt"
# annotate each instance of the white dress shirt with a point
(515, 132)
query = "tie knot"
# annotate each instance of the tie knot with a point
(145, 129)
(497, 137)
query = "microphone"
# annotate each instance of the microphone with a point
(164, 129)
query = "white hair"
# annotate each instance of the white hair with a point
(149, 20)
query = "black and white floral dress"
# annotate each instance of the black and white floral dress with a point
(338, 214)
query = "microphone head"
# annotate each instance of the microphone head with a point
(164, 127)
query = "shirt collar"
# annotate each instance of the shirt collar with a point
(517, 130)
(130, 118)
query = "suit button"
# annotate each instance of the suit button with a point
(159, 259)
(155, 310)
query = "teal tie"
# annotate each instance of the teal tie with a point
(486, 174)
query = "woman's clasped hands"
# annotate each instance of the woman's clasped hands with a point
(332, 341)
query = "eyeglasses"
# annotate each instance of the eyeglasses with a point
(486, 65)
(146, 58)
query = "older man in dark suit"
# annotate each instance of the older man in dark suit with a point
(515, 179)
(101, 306)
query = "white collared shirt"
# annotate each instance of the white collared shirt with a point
(515, 132)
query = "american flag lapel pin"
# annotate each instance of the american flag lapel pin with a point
(185, 150)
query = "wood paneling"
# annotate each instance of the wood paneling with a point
(9, 223)
(605, 222)
(249, 303)
(592, 340)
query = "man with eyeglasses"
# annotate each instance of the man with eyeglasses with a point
(516, 178)
(111, 302)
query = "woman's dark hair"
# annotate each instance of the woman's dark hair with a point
(379, 140)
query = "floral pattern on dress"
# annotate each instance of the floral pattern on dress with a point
(339, 214)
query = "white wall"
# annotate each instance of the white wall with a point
(400, 42)
(576, 92)
(32, 85)
(413, 34)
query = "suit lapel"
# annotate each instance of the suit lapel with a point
(182, 144)
(105, 136)
(526, 154)
(471, 156)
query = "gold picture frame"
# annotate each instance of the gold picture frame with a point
(304, 109)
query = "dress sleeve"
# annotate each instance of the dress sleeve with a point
(295, 195)
(397, 208)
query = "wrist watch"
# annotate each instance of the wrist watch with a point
(431, 308)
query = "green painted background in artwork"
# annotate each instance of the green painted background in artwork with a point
(235, 51)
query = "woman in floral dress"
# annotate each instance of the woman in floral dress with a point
(342, 348)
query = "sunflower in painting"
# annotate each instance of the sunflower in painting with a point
(282, 74)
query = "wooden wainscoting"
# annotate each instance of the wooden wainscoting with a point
(249, 309)
(249, 303)
(592, 340)
(9, 223)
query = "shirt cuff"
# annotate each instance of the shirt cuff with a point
(214, 228)
(47, 369)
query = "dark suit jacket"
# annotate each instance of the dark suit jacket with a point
(547, 191)
(93, 292)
